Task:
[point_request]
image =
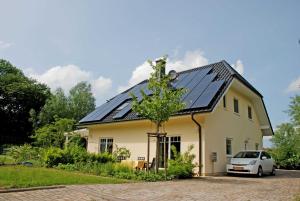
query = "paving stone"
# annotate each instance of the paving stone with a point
(284, 186)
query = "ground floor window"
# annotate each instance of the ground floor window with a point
(106, 145)
(175, 142)
(228, 146)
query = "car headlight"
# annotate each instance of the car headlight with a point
(252, 162)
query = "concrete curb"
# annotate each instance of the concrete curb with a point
(30, 189)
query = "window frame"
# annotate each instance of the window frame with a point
(226, 146)
(107, 139)
(122, 106)
(224, 102)
(250, 115)
(236, 100)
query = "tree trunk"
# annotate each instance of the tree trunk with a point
(157, 148)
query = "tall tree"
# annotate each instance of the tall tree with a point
(56, 107)
(164, 101)
(287, 138)
(18, 96)
(76, 105)
(81, 100)
(294, 110)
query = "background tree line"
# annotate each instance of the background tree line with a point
(286, 141)
(29, 111)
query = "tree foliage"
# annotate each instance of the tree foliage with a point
(81, 101)
(53, 134)
(164, 101)
(286, 140)
(182, 165)
(18, 96)
(56, 107)
(294, 110)
(78, 104)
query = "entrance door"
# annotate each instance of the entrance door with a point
(175, 142)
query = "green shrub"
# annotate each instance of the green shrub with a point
(118, 167)
(182, 165)
(151, 176)
(125, 175)
(101, 158)
(24, 153)
(53, 156)
(68, 167)
(76, 154)
(77, 140)
(121, 152)
(53, 134)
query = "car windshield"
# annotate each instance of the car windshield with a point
(247, 154)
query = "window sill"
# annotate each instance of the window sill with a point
(237, 114)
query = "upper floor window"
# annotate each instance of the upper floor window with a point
(122, 106)
(228, 146)
(249, 112)
(224, 101)
(236, 105)
(106, 145)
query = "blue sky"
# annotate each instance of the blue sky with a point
(107, 42)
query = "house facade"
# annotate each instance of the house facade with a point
(224, 114)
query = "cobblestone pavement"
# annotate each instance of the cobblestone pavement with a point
(284, 186)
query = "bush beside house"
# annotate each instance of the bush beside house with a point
(76, 158)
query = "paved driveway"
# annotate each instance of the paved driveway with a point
(284, 186)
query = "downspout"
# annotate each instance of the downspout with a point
(200, 142)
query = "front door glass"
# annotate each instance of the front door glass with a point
(170, 142)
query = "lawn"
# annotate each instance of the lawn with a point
(20, 177)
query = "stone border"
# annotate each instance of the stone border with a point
(30, 189)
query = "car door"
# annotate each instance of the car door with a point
(264, 162)
(269, 162)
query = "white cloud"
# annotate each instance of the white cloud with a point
(239, 67)
(101, 86)
(4, 45)
(190, 60)
(294, 86)
(68, 76)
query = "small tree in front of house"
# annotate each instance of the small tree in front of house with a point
(164, 101)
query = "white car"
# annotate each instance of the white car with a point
(251, 162)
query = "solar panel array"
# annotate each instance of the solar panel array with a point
(201, 84)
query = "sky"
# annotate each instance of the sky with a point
(107, 42)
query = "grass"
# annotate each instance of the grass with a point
(296, 197)
(21, 177)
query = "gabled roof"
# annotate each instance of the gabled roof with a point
(205, 86)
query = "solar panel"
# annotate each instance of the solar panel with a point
(112, 104)
(207, 96)
(89, 117)
(94, 115)
(191, 85)
(123, 112)
(179, 79)
(198, 89)
(190, 77)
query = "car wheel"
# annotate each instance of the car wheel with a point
(260, 171)
(273, 171)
